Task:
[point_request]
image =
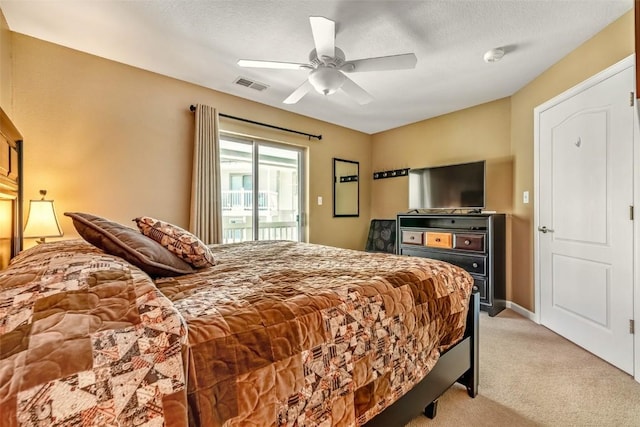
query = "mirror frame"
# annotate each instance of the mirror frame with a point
(357, 180)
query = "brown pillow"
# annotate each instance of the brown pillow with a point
(127, 243)
(177, 240)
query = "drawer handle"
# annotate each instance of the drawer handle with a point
(467, 242)
(412, 237)
(437, 239)
(474, 265)
(475, 288)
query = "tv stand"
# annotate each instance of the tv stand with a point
(473, 241)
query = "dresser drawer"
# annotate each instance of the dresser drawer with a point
(469, 242)
(438, 240)
(412, 237)
(473, 264)
(480, 286)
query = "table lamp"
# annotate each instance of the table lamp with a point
(42, 221)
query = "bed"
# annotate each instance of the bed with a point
(110, 330)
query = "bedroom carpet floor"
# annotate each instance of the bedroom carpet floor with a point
(529, 376)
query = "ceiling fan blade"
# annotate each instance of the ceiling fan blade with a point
(297, 94)
(324, 36)
(384, 63)
(352, 89)
(270, 64)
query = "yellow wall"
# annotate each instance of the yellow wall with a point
(5, 105)
(609, 46)
(476, 133)
(114, 140)
(5, 66)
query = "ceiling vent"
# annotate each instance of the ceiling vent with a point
(243, 81)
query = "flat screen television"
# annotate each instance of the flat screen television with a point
(459, 186)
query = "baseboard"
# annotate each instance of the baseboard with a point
(521, 311)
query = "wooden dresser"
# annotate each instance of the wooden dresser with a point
(475, 242)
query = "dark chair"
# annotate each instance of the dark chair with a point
(382, 236)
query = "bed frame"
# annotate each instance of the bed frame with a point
(10, 190)
(458, 364)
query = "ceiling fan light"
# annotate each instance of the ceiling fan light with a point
(326, 80)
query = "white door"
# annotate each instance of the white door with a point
(585, 230)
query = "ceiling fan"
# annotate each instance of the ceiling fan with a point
(328, 64)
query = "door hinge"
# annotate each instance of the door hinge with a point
(631, 212)
(632, 99)
(632, 327)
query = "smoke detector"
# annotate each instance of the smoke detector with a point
(494, 55)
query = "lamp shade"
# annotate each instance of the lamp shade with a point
(42, 220)
(326, 80)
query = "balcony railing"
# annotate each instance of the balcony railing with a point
(243, 200)
(240, 232)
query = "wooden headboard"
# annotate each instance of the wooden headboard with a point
(10, 190)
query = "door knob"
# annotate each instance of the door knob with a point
(544, 229)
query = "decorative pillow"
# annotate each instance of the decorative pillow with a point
(125, 242)
(178, 240)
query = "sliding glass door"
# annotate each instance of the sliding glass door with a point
(261, 190)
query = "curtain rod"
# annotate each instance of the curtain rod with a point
(318, 137)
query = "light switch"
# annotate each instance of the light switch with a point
(319, 200)
(525, 197)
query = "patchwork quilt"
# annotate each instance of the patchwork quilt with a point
(275, 334)
(291, 334)
(86, 339)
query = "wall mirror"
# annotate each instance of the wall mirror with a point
(346, 188)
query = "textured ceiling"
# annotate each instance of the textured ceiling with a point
(200, 42)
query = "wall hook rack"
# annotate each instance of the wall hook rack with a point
(391, 173)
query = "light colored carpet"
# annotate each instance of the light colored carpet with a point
(529, 376)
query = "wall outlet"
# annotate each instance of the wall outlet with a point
(525, 197)
(319, 200)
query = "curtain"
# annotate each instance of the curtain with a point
(205, 220)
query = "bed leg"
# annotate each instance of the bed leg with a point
(470, 378)
(431, 410)
(474, 372)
